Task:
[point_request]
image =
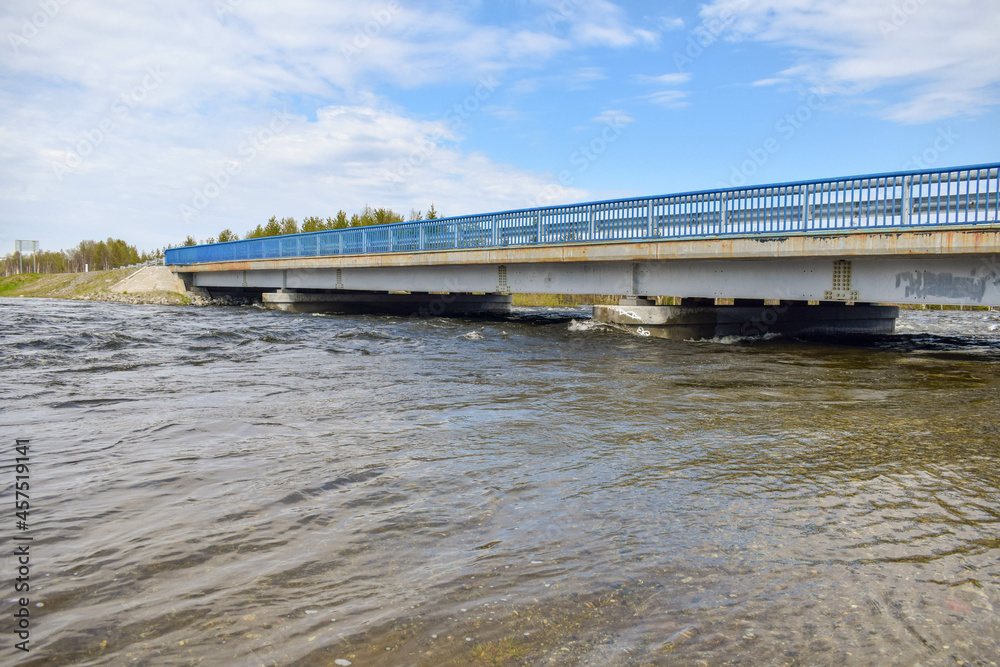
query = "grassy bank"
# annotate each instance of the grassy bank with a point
(92, 286)
(61, 285)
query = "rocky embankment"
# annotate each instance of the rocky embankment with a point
(156, 298)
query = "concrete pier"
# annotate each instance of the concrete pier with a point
(421, 304)
(687, 322)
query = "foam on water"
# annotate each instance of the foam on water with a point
(735, 340)
(583, 326)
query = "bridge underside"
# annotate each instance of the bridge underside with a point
(966, 281)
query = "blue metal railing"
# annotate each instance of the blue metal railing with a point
(957, 196)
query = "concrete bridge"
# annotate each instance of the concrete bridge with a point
(812, 257)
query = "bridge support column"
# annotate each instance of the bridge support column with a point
(417, 304)
(787, 318)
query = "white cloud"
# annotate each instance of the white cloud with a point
(672, 23)
(595, 23)
(593, 34)
(579, 79)
(672, 79)
(670, 99)
(582, 78)
(614, 117)
(357, 152)
(944, 56)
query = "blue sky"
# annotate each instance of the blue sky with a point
(150, 123)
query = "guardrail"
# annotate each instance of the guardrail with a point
(957, 196)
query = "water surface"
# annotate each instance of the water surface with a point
(243, 487)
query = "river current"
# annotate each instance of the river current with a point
(234, 486)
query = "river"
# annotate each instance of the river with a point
(234, 486)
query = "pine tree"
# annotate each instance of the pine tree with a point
(313, 224)
(272, 228)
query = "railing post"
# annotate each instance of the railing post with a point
(423, 235)
(364, 241)
(806, 209)
(722, 212)
(904, 217)
(590, 222)
(538, 226)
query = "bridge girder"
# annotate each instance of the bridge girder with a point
(950, 267)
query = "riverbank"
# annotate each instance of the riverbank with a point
(92, 286)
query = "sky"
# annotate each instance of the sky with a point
(150, 122)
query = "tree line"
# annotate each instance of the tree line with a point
(86, 256)
(276, 227)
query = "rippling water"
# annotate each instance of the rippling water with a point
(242, 487)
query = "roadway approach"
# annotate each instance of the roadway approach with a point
(822, 257)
